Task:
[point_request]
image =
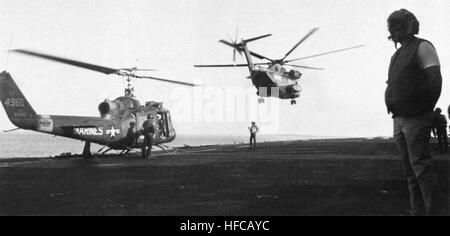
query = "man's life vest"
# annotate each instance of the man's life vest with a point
(408, 92)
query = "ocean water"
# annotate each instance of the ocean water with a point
(33, 144)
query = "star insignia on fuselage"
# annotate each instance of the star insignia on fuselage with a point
(112, 132)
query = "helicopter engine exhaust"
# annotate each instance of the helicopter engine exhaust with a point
(111, 109)
(108, 107)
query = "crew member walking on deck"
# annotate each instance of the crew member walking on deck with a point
(148, 132)
(253, 130)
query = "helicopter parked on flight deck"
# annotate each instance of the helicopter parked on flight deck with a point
(110, 129)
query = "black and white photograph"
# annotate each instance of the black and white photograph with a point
(255, 108)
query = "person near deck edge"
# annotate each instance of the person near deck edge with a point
(413, 89)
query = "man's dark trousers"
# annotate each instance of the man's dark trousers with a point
(412, 137)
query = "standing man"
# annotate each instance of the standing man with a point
(253, 130)
(161, 127)
(440, 130)
(414, 87)
(148, 130)
(131, 137)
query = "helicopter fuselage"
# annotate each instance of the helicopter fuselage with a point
(275, 82)
(111, 130)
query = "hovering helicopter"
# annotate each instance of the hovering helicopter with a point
(273, 80)
(110, 129)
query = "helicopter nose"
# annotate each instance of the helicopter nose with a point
(297, 88)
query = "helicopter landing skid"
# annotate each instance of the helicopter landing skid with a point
(163, 147)
(125, 151)
(104, 152)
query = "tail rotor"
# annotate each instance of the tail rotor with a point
(234, 44)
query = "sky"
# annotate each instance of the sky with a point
(346, 99)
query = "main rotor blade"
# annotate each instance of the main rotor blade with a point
(136, 69)
(325, 53)
(240, 50)
(235, 44)
(305, 67)
(102, 69)
(256, 38)
(261, 63)
(164, 80)
(227, 43)
(146, 70)
(259, 56)
(301, 41)
(223, 65)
